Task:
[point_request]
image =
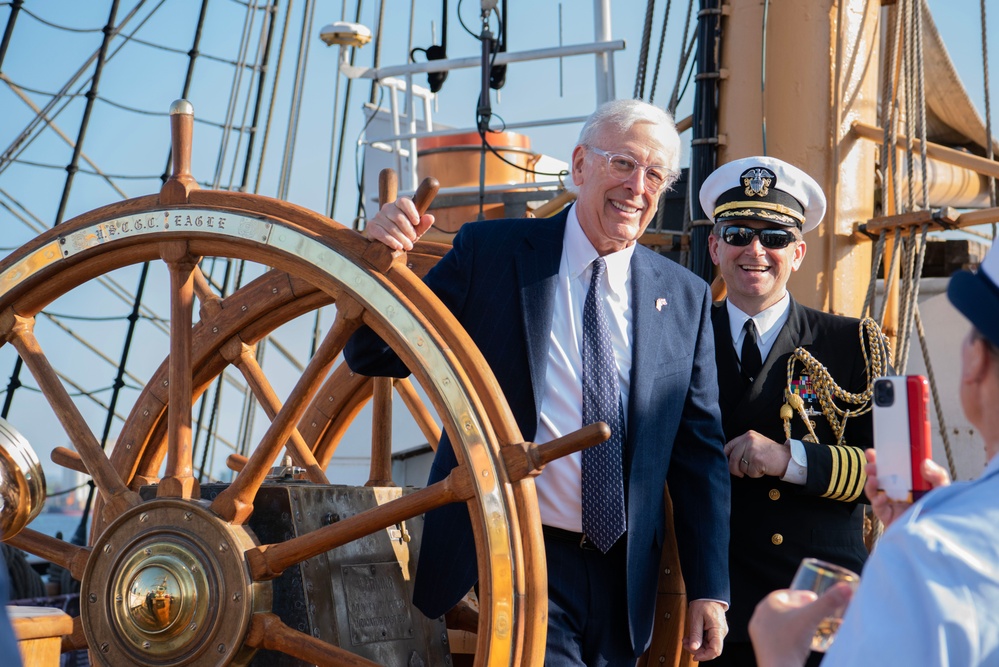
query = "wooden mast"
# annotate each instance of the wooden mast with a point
(821, 75)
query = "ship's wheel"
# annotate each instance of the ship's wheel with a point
(176, 574)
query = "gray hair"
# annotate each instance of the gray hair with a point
(621, 115)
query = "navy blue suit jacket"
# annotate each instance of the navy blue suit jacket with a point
(499, 281)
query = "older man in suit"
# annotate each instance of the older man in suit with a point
(579, 324)
(797, 487)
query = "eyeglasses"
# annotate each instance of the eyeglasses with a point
(621, 167)
(774, 239)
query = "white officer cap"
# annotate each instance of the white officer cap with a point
(766, 189)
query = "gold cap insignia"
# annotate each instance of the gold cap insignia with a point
(758, 181)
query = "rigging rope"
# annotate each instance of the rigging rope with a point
(921, 106)
(182, 52)
(250, 404)
(56, 104)
(988, 111)
(295, 111)
(763, 73)
(889, 275)
(270, 107)
(267, 26)
(246, 130)
(659, 52)
(58, 26)
(908, 56)
(643, 51)
(941, 422)
(15, 10)
(894, 117)
(21, 142)
(335, 176)
(903, 78)
(879, 251)
(237, 79)
(916, 84)
(916, 115)
(74, 164)
(101, 56)
(678, 93)
(685, 52)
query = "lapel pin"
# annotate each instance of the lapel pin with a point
(660, 303)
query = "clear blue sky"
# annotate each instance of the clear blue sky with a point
(148, 78)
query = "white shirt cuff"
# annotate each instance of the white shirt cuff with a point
(797, 467)
(721, 602)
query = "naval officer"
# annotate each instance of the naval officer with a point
(797, 486)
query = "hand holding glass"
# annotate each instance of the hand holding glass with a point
(818, 576)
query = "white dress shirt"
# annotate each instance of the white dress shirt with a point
(768, 325)
(559, 486)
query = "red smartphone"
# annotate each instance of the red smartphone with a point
(902, 434)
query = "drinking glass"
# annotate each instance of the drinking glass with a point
(817, 576)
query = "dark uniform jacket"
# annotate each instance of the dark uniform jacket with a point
(774, 523)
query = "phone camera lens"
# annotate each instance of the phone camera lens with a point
(884, 393)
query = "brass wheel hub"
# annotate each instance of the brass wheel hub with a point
(167, 584)
(161, 594)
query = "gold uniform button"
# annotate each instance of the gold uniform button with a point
(774, 494)
(777, 539)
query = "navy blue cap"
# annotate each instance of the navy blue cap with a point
(976, 295)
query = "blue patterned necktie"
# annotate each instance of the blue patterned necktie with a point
(604, 519)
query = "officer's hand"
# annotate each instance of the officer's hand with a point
(754, 455)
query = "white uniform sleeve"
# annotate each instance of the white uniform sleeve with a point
(914, 605)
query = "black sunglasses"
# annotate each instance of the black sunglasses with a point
(774, 239)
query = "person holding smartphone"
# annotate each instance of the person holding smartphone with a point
(797, 487)
(930, 591)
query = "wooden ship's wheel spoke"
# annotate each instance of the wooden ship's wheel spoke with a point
(269, 561)
(242, 357)
(179, 481)
(77, 640)
(186, 573)
(269, 632)
(54, 550)
(236, 503)
(20, 333)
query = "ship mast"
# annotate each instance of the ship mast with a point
(820, 66)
